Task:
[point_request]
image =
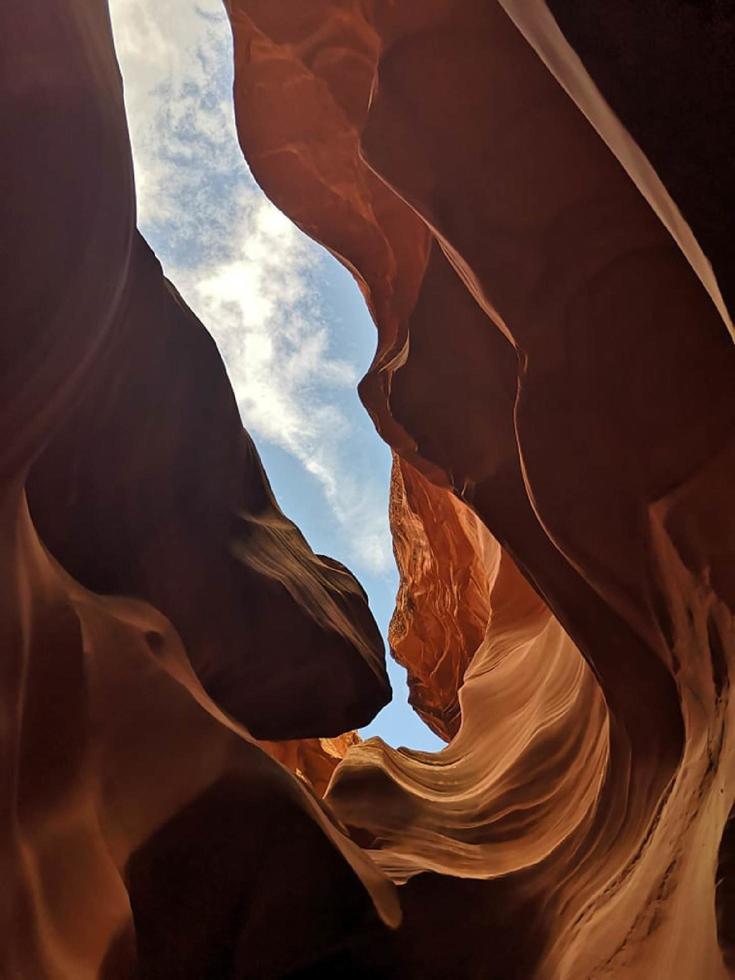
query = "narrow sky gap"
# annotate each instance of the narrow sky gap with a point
(288, 319)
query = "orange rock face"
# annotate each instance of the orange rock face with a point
(554, 374)
(554, 348)
(442, 604)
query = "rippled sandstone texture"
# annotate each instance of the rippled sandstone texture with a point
(554, 373)
(554, 350)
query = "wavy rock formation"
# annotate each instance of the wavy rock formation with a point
(548, 266)
(142, 831)
(553, 348)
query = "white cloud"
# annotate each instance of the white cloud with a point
(245, 269)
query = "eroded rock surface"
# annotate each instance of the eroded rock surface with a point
(553, 348)
(554, 373)
(442, 606)
(142, 830)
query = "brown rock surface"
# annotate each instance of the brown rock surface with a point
(280, 637)
(442, 606)
(634, 52)
(555, 376)
(554, 347)
(138, 818)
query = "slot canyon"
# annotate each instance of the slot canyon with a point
(532, 197)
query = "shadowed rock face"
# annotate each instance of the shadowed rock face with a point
(554, 374)
(634, 52)
(151, 488)
(152, 573)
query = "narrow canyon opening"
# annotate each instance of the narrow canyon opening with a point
(501, 224)
(288, 319)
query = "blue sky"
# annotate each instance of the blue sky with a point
(289, 320)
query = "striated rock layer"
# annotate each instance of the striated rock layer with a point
(553, 349)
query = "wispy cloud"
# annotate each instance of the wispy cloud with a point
(253, 278)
